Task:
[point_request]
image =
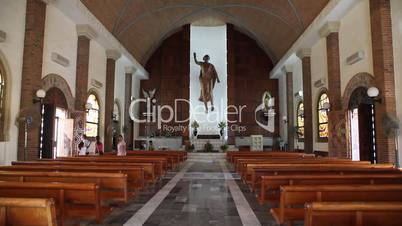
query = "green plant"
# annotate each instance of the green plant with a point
(222, 125)
(189, 148)
(195, 124)
(208, 147)
(224, 147)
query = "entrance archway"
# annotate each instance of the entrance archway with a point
(362, 126)
(54, 111)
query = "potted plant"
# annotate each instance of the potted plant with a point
(208, 147)
(195, 126)
(189, 148)
(222, 126)
(224, 147)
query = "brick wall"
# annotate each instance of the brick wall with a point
(31, 74)
(109, 102)
(81, 79)
(383, 65)
(169, 69)
(290, 110)
(248, 79)
(307, 100)
(128, 123)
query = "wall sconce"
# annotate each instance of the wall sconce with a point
(88, 106)
(285, 119)
(327, 107)
(299, 94)
(39, 96)
(373, 93)
(301, 113)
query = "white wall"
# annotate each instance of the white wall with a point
(396, 11)
(61, 38)
(211, 41)
(97, 71)
(119, 85)
(12, 21)
(355, 35)
(297, 86)
(136, 95)
(318, 71)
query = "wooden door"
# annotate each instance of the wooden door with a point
(48, 130)
(366, 142)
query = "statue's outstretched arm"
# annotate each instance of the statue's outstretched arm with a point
(195, 59)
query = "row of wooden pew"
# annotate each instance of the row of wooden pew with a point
(62, 190)
(322, 191)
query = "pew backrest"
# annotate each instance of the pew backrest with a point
(353, 214)
(27, 212)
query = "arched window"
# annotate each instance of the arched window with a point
(322, 115)
(92, 124)
(300, 121)
(2, 103)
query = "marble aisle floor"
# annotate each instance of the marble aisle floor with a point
(201, 193)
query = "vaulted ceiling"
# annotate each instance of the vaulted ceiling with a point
(141, 25)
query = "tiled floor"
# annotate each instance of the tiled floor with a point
(200, 194)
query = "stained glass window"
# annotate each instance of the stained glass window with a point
(2, 90)
(92, 124)
(2, 104)
(322, 117)
(300, 121)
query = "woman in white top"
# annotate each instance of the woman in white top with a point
(82, 150)
(121, 146)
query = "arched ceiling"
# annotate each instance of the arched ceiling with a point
(141, 25)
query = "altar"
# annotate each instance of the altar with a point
(200, 141)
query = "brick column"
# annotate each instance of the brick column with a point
(128, 123)
(288, 70)
(305, 57)
(31, 76)
(112, 56)
(383, 65)
(231, 81)
(85, 34)
(336, 117)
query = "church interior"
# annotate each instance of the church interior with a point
(200, 112)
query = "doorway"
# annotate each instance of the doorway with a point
(55, 125)
(362, 126)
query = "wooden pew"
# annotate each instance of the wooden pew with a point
(175, 157)
(113, 186)
(165, 161)
(159, 164)
(27, 212)
(73, 200)
(353, 214)
(294, 197)
(135, 175)
(270, 185)
(255, 172)
(231, 154)
(241, 165)
(149, 174)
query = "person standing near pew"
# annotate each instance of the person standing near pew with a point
(98, 146)
(121, 146)
(82, 150)
(87, 143)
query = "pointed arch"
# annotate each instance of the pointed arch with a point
(5, 98)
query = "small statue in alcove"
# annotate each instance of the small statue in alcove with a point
(208, 78)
